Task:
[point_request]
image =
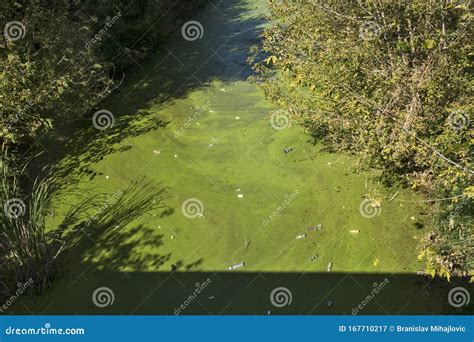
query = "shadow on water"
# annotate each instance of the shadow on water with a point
(103, 228)
(178, 68)
(228, 293)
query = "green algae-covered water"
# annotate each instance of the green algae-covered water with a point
(190, 122)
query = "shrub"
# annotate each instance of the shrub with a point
(390, 81)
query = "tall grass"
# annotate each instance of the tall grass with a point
(30, 246)
(28, 249)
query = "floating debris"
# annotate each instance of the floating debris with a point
(237, 118)
(172, 236)
(329, 303)
(240, 195)
(329, 268)
(313, 257)
(210, 145)
(176, 156)
(301, 236)
(393, 197)
(246, 244)
(288, 150)
(242, 264)
(237, 189)
(212, 297)
(107, 177)
(157, 152)
(376, 262)
(315, 228)
(355, 231)
(223, 90)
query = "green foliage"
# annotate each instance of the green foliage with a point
(388, 80)
(70, 54)
(57, 63)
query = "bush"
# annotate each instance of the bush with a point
(390, 81)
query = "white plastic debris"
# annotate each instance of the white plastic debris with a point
(239, 265)
(301, 236)
(240, 195)
(237, 118)
(329, 267)
(315, 228)
(107, 177)
(176, 156)
(355, 231)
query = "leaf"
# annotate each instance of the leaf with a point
(271, 59)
